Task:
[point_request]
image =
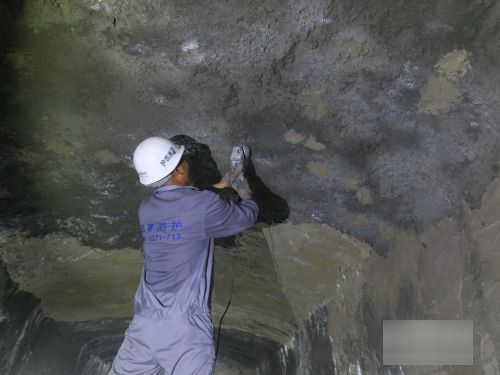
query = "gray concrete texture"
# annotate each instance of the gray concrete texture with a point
(376, 121)
(359, 115)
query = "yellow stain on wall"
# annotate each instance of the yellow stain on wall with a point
(318, 169)
(314, 103)
(352, 183)
(440, 91)
(437, 93)
(364, 195)
(294, 137)
(313, 144)
(454, 65)
(222, 126)
(353, 48)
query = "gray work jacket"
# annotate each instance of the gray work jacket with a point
(179, 224)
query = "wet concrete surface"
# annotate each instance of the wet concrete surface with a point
(315, 295)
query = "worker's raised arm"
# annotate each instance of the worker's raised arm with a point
(224, 219)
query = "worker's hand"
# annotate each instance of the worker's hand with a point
(229, 195)
(226, 181)
(230, 177)
(220, 185)
(237, 181)
(240, 184)
(245, 195)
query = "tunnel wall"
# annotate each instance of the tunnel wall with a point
(376, 123)
(362, 116)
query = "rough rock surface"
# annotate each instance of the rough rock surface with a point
(359, 114)
(370, 121)
(310, 294)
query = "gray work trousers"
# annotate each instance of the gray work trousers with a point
(179, 346)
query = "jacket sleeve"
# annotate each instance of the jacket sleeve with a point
(224, 219)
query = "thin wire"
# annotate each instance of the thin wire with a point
(225, 311)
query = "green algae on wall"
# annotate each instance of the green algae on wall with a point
(79, 283)
(74, 282)
(41, 15)
(283, 273)
(258, 305)
(311, 260)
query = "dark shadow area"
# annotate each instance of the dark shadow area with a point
(242, 350)
(272, 207)
(15, 203)
(33, 343)
(202, 166)
(204, 173)
(314, 345)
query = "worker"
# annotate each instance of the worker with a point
(272, 208)
(172, 325)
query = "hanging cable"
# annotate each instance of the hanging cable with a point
(225, 310)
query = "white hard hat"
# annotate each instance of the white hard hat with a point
(155, 159)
